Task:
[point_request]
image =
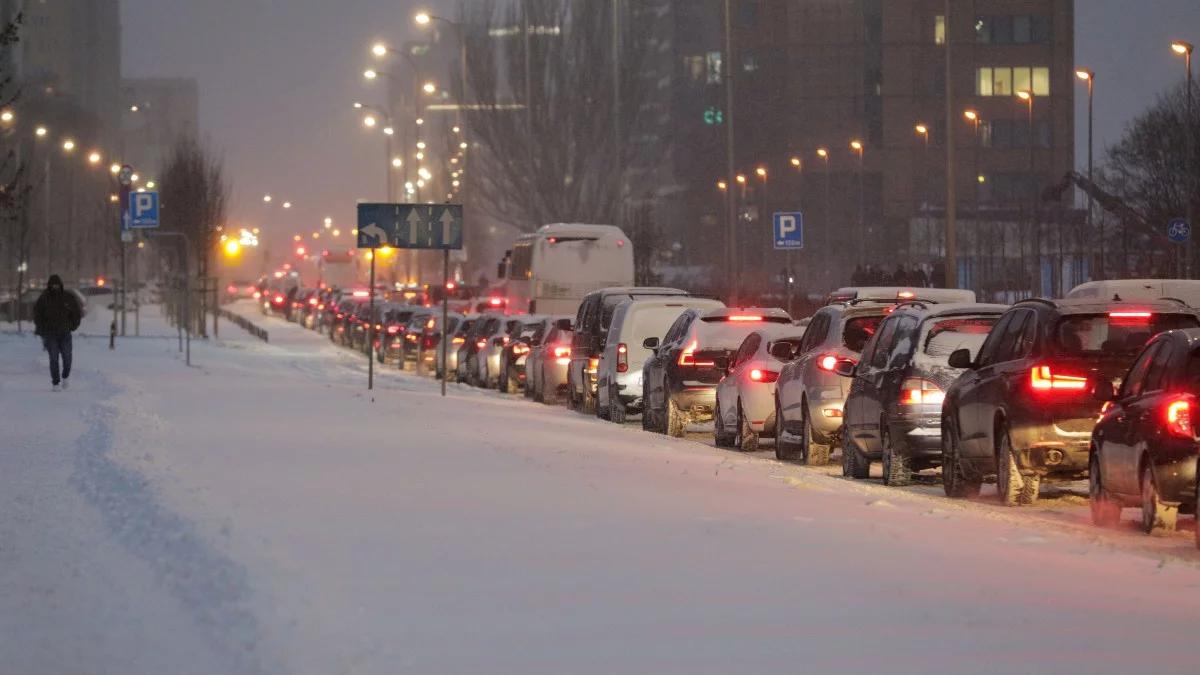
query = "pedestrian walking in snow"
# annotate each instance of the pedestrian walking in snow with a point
(55, 316)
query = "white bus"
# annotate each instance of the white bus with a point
(552, 269)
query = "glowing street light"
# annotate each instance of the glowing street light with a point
(369, 121)
(370, 73)
(823, 153)
(6, 116)
(232, 247)
(328, 222)
(379, 49)
(422, 18)
(761, 172)
(797, 162)
(40, 132)
(94, 157)
(971, 115)
(68, 145)
(429, 88)
(1182, 48)
(397, 162)
(722, 185)
(857, 146)
(741, 179)
(287, 205)
(420, 145)
(267, 198)
(114, 168)
(388, 131)
(150, 185)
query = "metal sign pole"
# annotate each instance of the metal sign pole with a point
(445, 312)
(371, 327)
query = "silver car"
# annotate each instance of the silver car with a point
(810, 395)
(619, 372)
(746, 396)
(490, 346)
(546, 367)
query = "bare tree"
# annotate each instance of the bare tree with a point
(15, 245)
(552, 108)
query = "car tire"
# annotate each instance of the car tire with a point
(588, 405)
(647, 411)
(1158, 519)
(616, 409)
(676, 422)
(1008, 475)
(854, 465)
(746, 439)
(897, 467)
(1106, 512)
(813, 453)
(784, 450)
(954, 483)
(721, 437)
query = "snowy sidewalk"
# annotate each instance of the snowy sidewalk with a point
(280, 518)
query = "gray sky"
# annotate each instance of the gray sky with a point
(277, 78)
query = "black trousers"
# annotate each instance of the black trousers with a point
(58, 345)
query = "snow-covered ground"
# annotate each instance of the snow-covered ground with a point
(262, 512)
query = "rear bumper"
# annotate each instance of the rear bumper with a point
(697, 402)
(917, 434)
(1177, 478)
(1049, 450)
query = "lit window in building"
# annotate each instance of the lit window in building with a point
(1007, 81)
(939, 30)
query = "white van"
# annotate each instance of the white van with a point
(1132, 290)
(551, 270)
(619, 373)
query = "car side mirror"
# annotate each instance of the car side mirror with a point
(1104, 391)
(721, 363)
(961, 358)
(844, 367)
(650, 343)
(782, 351)
(563, 324)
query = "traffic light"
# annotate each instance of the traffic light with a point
(714, 116)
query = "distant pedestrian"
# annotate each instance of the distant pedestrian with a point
(55, 316)
(900, 278)
(859, 277)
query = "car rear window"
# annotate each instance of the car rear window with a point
(948, 335)
(1115, 333)
(723, 335)
(858, 331)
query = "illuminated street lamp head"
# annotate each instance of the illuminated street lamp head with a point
(420, 121)
(40, 132)
(797, 162)
(1025, 95)
(133, 108)
(856, 146)
(741, 179)
(379, 49)
(1182, 48)
(287, 205)
(822, 153)
(6, 116)
(328, 222)
(971, 115)
(422, 18)
(94, 158)
(388, 131)
(456, 130)
(1084, 74)
(369, 121)
(420, 155)
(135, 178)
(150, 185)
(429, 87)
(420, 145)
(68, 145)
(267, 198)
(397, 162)
(922, 129)
(462, 146)
(761, 172)
(424, 173)
(421, 183)
(370, 73)
(296, 237)
(232, 247)
(722, 185)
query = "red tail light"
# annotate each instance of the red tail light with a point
(562, 352)
(622, 358)
(1179, 417)
(520, 350)
(764, 376)
(231, 289)
(1131, 317)
(827, 362)
(496, 302)
(1042, 379)
(278, 299)
(481, 344)
(917, 392)
(312, 301)
(257, 295)
(745, 317)
(362, 294)
(392, 330)
(688, 357)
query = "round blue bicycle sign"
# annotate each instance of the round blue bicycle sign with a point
(1179, 230)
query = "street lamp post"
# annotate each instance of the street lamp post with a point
(827, 226)
(923, 131)
(1027, 97)
(973, 117)
(1089, 77)
(857, 146)
(733, 277)
(1185, 50)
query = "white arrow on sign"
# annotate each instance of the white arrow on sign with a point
(375, 232)
(447, 222)
(413, 221)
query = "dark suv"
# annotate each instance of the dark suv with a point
(1144, 446)
(893, 411)
(1024, 410)
(591, 328)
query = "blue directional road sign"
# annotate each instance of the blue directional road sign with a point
(143, 211)
(1179, 230)
(788, 231)
(414, 226)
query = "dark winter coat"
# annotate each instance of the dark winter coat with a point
(56, 311)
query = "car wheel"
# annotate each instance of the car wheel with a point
(1105, 511)
(897, 468)
(603, 411)
(721, 437)
(813, 453)
(954, 483)
(1158, 519)
(1008, 476)
(573, 402)
(746, 439)
(676, 421)
(647, 411)
(588, 406)
(616, 409)
(784, 450)
(854, 465)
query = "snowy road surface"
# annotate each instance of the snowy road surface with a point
(260, 512)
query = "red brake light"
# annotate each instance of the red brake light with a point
(906, 295)
(392, 330)
(688, 357)
(917, 392)
(764, 376)
(827, 362)
(622, 358)
(496, 302)
(481, 344)
(745, 317)
(361, 294)
(1179, 417)
(521, 349)
(230, 289)
(1042, 379)
(562, 352)
(593, 365)
(312, 301)
(278, 298)
(1129, 315)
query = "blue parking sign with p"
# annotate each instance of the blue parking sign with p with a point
(789, 230)
(143, 210)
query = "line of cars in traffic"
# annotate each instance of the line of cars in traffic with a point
(1101, 388)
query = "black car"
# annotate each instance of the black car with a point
(893, 410)
(591, 328)
(524, 339)
(679, 381)
(1144, 447)
(391, 337)
(1024, 411)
